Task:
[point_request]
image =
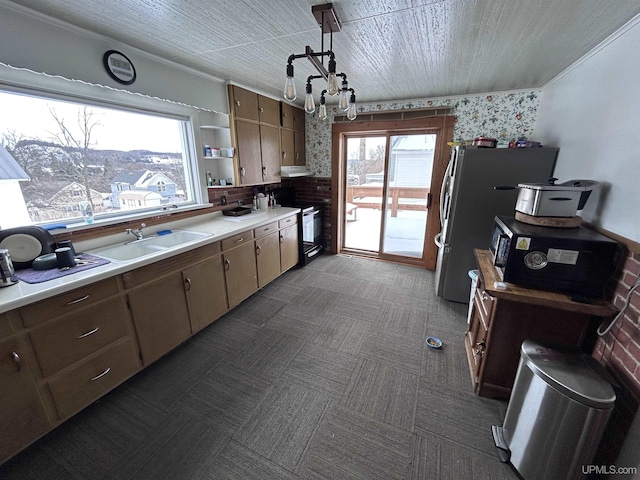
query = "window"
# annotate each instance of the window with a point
(58, 153)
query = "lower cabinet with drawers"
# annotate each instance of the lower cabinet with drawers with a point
(60, 354)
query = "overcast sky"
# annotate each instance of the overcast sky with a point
(30, 117)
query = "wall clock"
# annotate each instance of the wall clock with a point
(119, 67)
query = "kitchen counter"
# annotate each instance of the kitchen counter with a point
(215, 225)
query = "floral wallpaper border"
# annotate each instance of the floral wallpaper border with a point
(503, 115)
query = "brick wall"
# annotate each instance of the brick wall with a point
(234, 194)
(619, 351)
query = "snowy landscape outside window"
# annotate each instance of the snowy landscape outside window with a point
(56, 154)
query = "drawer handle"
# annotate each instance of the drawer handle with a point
(227, 265)
(187, 282)
(264, 171)
(16, 359)
(78, 300)
(91, 332)
(261, 109)
(485, 297)
(257, 249)
(238, 103)
(239, 240)
(480, 350)
(281, 239)
(100, 375)
(242, 171)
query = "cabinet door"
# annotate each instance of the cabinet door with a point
(289, 255)
(270, 146)
(300, 149)
(22, 414)
(161, 316)
(268, 258)
(249, 152)
(286, 115)
(240, 273)
(245, 104)
(206, 292)
(476, 340)
(269, 110)
(298, 119)
(288, 147)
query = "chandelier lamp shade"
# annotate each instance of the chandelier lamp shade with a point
(329, 23)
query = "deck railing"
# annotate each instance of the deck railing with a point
(400, 198)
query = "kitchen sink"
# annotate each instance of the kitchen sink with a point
(147, 246)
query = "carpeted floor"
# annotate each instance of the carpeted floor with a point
(322, 374)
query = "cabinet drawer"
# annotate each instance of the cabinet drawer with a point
(92, 378)
(68, 302)
(292, 220)
(267, 229)
(237, 240)
(72, 337)
(485, 305)
(5, 325)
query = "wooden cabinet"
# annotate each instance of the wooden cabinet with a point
(292, 138)
(77, 387)
(289, 252)
(267, 253)
(240, 271)
(22, 413)
(288, 147)
(502, 319)
(160, 315)
(206, 292)
(255, 134)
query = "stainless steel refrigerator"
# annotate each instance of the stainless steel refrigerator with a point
(469, 202)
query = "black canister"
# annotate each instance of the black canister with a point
(65, 257)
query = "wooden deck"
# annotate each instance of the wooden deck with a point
(400, 198)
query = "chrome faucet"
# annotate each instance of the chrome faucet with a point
(136, 231)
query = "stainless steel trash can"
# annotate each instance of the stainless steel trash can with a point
(557, 412)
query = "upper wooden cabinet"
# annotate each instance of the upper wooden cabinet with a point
(247, 105)
(286, 115)
(292, 139)
(298, 119)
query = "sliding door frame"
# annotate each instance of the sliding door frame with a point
(442, 126)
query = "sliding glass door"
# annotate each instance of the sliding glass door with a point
(388, 181)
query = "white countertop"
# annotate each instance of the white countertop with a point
(215, 225)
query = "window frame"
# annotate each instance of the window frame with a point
(61, 89)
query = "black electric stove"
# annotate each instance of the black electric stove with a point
(310, 224)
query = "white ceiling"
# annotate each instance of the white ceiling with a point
(390, 49)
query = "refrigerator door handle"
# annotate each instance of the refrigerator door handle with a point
(438, 240)
(444, 189)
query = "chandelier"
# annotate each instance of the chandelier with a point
(328, 23)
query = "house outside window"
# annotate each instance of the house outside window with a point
(71, 151)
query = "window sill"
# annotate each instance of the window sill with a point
(103, 225)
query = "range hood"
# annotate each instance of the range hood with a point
(294, 171)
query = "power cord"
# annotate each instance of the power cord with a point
(624, 308)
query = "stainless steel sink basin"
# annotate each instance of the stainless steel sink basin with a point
(147, 246)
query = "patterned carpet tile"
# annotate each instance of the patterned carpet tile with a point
(184, 447)
(438, 458)
(342, 334)
(236, 462)
(226, 397)
(383, 393)
(463, 418)
(404, 319)
(349, 445)
(356, 307)
(296, 320)
(228, 335)
(402, 351)
(446, 367)
(316, 299)
(280, 428)
(257, 309)
(269, 354)
(323, 368)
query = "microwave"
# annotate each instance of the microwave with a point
(577, 261)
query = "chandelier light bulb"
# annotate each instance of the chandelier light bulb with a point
(290, 89)
(309, 103)
(351, 112)
(343, 103)
(322, 111)
(332, 84)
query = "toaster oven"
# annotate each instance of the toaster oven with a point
(576, 261)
